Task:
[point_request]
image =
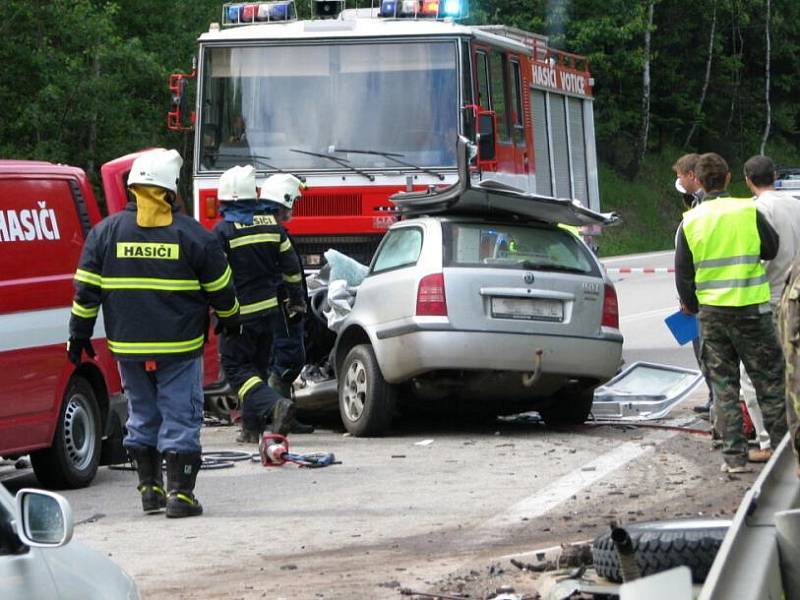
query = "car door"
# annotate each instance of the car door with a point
(24, 574)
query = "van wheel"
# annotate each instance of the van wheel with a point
(72, 460)
(570, 406)
(366, 401)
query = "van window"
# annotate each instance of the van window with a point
(400, 248)
(40, 239)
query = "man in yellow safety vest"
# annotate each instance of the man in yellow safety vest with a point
(719, 275)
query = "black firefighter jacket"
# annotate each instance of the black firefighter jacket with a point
(262, 258)
(154, 284)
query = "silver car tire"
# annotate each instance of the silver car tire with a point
(72, 460)
(366, 401)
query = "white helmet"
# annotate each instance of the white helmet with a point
(283, 189)
(158, 167)
(238, 183)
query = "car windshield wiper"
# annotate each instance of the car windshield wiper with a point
(260, 160)
(340, 161)
(534, 266)
(391, 156)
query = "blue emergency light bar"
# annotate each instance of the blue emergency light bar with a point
(431, 9)
(237, 13)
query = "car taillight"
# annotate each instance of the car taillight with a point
(610, 308)
(431, 300)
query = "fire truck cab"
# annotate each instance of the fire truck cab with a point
(367, 102)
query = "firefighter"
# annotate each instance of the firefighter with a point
(261, 256)
(718, 273)
(155, 271)
(288, 347)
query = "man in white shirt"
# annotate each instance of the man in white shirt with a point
(782, 211)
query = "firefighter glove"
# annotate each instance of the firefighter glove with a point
(229, 327)
(75, 348)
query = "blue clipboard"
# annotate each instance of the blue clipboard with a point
(683, 327)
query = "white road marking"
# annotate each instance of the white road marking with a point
(648, 314)
(562, 489)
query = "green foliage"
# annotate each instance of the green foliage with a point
(84, 81)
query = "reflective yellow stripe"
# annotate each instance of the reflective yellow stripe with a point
(286, 245)
(150, 283)
(88, 277)
(155, 347)
(218, 283)
(83, 311)
(184, 498)
(249, 385)
(247, 309)
(231, 312)
(256, 238)
(293, 278)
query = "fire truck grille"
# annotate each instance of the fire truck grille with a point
(358, 247)
(319, 204)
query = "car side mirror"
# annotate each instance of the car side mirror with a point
(44, 519)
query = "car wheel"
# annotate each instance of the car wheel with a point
(72, 460)
(662, 546)
(569, 406)
(366, 401)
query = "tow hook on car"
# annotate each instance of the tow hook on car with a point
(528, 379)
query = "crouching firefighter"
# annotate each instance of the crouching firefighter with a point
(155, 271)
(260, 256)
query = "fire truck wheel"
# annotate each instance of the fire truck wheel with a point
(72, 460)
(570, 406)
(366, 401)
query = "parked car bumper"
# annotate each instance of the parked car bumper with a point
(414, 348)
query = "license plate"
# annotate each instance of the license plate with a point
(529, 309)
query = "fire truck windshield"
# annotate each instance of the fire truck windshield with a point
(265, 101)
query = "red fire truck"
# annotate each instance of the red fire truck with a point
(363, 103)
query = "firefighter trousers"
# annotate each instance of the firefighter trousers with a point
(165, 405)
(245, 359)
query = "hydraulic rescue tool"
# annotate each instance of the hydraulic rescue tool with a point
(274, 451)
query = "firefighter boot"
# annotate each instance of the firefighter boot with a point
(182, 471)
(283, 416)
(151, 481)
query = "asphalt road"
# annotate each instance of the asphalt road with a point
(437, 505)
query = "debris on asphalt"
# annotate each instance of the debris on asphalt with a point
(427, 442)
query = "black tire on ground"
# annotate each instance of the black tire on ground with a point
(366, 401)
(662, 546)
(72, 460)
(571, 406)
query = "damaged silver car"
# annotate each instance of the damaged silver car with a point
(484, 295)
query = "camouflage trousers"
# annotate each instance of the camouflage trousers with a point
(728, 339)
(789, 326)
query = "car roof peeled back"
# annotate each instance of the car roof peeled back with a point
(491, 197)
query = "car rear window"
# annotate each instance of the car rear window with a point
(501, 245)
